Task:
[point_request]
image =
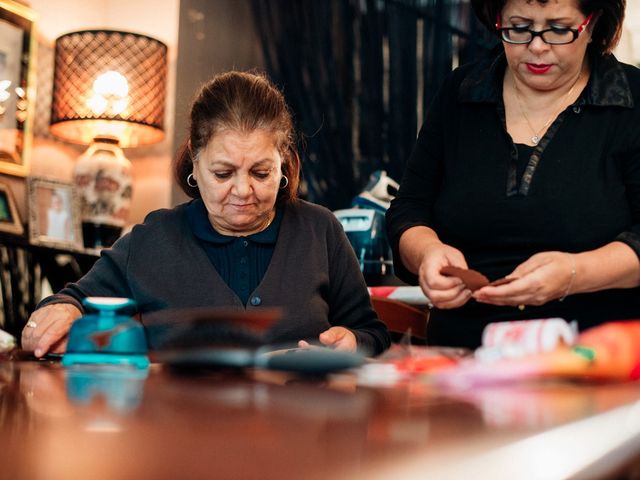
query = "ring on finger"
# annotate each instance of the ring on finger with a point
(521, 306)
(31, 324)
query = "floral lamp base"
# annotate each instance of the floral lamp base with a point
(103, 179)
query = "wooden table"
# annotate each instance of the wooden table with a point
(106, 423)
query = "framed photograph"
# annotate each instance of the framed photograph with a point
(9, 219)
(54, 214)
(17, 86)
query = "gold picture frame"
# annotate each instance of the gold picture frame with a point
(9, 218)
(17, 86)
(54, 214)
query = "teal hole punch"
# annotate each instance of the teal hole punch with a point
(106, 337)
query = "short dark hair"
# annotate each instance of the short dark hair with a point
(242, 102)
(607, 30)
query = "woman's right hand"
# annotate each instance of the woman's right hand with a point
(443, 291)
(48, 327)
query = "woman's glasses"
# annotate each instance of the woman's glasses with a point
(552, 36)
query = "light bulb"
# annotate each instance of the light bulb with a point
(111, 83)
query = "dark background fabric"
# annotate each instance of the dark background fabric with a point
(358, 75)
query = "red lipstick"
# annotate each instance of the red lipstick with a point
(538, 69)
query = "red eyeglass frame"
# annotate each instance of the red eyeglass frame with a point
(580, 28)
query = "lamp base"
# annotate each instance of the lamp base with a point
(103, 179)
(99, 235)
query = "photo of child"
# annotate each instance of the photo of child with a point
(59, 216)
(54, 213)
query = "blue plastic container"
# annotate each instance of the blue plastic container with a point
(106, 337)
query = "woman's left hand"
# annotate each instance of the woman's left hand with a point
(542, 278)
(338, 338)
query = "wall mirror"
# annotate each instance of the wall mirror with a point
(17, 86)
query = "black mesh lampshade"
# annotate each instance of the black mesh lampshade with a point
(109, 84)
(108, 91)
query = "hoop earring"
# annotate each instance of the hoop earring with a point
(191, 179)
(286, 182)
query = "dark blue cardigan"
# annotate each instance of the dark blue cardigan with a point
(313, 276)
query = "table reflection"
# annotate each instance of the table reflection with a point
(121, 387)
(541, 405)
(161, 423)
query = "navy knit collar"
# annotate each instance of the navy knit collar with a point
(608, 84)
(201, 226)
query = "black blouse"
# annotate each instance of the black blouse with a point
(577, 190)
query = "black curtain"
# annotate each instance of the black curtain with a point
(359, 75)
(303, 42)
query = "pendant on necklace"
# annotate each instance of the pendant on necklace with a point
(535, 139)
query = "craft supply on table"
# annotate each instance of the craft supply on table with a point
(524, 337)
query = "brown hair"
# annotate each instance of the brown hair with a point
(243, 102)
(608, 18)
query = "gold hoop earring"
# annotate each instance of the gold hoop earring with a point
(286, 182)
(190, 178)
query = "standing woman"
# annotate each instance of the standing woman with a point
(528, 166)
(244, 242)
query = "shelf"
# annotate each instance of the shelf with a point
(24, 266)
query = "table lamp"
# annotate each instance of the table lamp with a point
(109, 92)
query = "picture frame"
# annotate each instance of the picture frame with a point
(10, 221)
(17, 86)
(54, 214)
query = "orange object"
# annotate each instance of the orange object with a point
(425, 364)
(616, 349)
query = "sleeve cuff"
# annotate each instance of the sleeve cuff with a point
(60, 298)
(369, 344)
(399, 270)
(631, 239)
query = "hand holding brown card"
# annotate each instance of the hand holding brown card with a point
(472, 279)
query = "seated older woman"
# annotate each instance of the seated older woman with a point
(244, 242)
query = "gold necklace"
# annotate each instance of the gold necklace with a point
(230, 233)
(270, 219)
(536, 133)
